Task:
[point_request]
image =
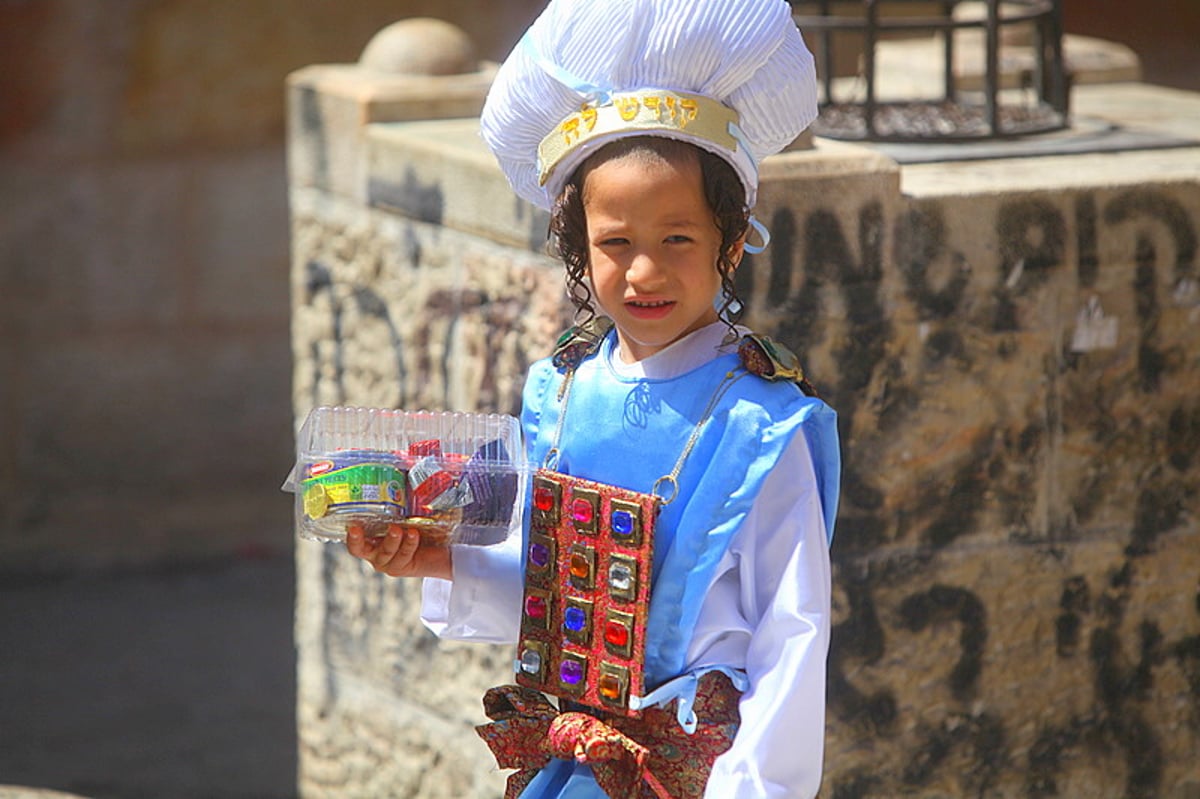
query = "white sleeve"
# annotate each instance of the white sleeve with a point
(483, 601)
(773, 604)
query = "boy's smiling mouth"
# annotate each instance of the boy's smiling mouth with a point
(649, 309)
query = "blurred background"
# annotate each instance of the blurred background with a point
(146, 580)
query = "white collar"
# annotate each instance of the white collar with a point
(680, 357)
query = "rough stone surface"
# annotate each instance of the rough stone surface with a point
(395, 312)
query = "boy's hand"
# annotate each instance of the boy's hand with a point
(399, 553)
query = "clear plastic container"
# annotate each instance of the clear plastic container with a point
(457, 477)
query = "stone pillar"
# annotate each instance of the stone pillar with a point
(1010, 344)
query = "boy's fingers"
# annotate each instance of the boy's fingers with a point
(389, 546)
(393, 554)
(355, 540)
(408, 547)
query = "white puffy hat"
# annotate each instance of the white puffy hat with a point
(731, 76)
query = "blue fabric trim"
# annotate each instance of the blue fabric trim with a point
(600, 94)
(755, 249)
(739, 136)
(563, 779)
(684, 688)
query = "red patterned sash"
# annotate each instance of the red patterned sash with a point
(649, 757)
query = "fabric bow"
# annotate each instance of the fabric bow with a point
(527, 731)
(630, 757)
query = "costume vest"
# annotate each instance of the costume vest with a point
(629, 432)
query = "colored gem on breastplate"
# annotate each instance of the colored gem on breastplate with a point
(580, 568)
(543, 498)
(616, 634)
(531, 662)
(620, 577)
(609, 686)
(535, 607)
(539, 554)
(570, 672)
(582, 511)
(574, 619)
(622, 522)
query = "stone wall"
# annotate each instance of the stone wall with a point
(1010, 345)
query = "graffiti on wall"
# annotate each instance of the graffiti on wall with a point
(377, 325)
(971, 313)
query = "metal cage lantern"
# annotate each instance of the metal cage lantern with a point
(986, 111)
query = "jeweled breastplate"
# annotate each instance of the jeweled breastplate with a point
(587, 591)
(589, 555)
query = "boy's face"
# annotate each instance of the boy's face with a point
(652, 250)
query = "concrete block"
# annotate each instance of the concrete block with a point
(329, 107)
(441, 172)
(1073, 622)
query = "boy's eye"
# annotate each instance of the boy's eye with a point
(678, 239)
(613, 242)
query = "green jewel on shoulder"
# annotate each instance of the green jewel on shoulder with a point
(580, 342)
(771, 360)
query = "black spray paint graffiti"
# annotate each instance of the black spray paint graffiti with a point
(1033, 239)
(830, 266)
(408, 364)
(1119, 726)
(1122, 681)
(1118, 720)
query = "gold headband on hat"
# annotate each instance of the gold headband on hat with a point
(732, 77)
(649, 111)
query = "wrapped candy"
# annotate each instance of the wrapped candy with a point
(454, 476)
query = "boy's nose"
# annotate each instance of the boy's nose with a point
(643, 272)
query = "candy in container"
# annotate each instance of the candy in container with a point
(454, 476)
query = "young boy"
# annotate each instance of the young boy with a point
(640, 125)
